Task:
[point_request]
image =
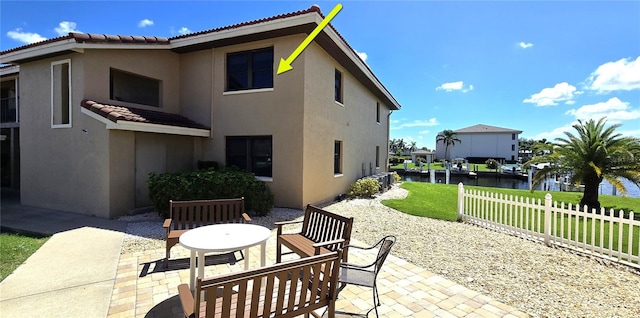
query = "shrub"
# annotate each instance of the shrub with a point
(396, 177)
(363, 188)
(394, 160)
(492, 163)
(207, 185)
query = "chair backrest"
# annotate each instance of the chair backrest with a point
(191, 214)
(322, 226)
(287, 289)
(386, 243)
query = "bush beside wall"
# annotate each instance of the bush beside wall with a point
(209, 184)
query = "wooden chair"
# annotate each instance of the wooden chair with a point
(322, 232)
(289, 289)
(186, 215)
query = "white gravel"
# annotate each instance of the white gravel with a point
(542, 281)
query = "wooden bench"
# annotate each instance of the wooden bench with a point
(322, 232)
(187, 215)
(289, 289)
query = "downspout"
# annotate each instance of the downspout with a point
(388, 132)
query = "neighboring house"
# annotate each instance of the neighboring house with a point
(99, 113)
(480, 142)
(429, 156)
(9, 127)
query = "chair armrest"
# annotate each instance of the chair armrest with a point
(167, 223)
(246, 217)
(186, 299)
(280, 224)
(317, 246)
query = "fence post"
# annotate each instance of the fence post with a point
(547, 219)
(460, 201)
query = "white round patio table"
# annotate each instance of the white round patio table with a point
(223, 238)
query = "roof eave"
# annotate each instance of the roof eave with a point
(147, 127)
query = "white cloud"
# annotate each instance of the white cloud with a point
(362, 55)
(25, 37)
(525, 45)
(416, 123)
(623, 74)
(184, 30)
(614, 109)
(454, 86)
(423, 132)
(562, 92)
(555, 133)
(66, 27)
(145, 23)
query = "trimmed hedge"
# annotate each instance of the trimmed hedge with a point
(209, 184)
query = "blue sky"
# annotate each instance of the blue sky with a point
(534, 66)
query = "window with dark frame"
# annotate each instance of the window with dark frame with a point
(337, 157)
(250, 69)
(513, 136)
(378, 112)
(377, 156)
(251, 153)
(513, 147)
(338, 87)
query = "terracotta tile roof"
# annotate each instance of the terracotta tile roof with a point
(116, 113)
(105, 38)
(313, 8)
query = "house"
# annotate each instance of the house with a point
(481, 142)
(98, 113)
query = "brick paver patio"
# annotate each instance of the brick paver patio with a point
(143, 288)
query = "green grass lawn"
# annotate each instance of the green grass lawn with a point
(14, 250)
(439, 201)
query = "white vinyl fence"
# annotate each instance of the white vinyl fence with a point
(612, 236)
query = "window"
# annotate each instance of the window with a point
(513, 147)
(377, 112)
(337, 157)
(513, 136)
(250, 69)
(61, 94)
(133, 88)
(338, 87)
(377, 156)
(253, 154)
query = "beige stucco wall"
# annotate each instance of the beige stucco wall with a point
(277, 113)
(353, 122)
(62, 168)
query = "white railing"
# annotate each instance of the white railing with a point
(603, 235)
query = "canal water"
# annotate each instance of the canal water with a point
(512, 183)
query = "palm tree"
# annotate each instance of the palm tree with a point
(449, 138)
(413, 146)
(594, 154)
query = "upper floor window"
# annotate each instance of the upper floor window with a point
(251, 153)
(377, 156)
(250, 69)
(377, 112)
(337, 157)
(513, 147)
(61, 94)
(133, 88)
(513, 136)
(338, 87)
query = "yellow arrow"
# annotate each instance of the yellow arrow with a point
(285, 65)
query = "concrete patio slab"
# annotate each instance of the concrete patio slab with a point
(73, 273)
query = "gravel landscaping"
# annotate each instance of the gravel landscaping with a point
(542, 281)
